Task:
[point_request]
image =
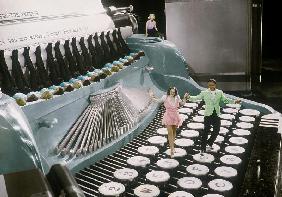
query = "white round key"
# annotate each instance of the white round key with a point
(125, 174)
(201, 112)
(198, 118)
(227, 116)
(197, 169)
(237, 106)
(234, 149)
(220, 185)
(111, 189)
(247, 119)
(147, 190)
(230, 159)
(225, 123)
(249, 112)
(189, 183)
(148, 150)
(195, 125)
(213, 195)
(223, 130)
(225, 171)
(203, 158)
(185, 110)
(158, 140)
(238, 140)
(178, 152)
(183, 116)
(184, 142)
(157, 176)
(162, 131)
(180, 194)
(138, 161)
(189, 133)
(191, 105)
(244, 125)
(242, 132)
(230, 110)
(167, 163)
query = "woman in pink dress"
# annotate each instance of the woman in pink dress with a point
(171, 118)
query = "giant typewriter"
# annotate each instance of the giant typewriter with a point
(76, 118)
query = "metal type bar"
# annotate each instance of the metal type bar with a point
(65, 140)
(89, 170)
(86, 132)
(80, 137)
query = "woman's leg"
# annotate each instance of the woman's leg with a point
(174, 133)
(170, 139)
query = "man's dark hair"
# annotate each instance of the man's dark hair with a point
(168, 91)
(212, 80)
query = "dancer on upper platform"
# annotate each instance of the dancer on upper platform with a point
(151, 26)
(171, 118)
(212, 98)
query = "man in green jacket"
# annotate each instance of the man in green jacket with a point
(212, 98)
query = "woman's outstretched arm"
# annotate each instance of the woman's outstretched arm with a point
(184, 100)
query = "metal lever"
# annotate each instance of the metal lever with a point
(113, 10)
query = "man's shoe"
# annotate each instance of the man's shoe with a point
(209, 148)
(202, 152)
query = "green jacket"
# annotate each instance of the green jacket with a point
(210, 103)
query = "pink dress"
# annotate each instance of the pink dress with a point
(171, 115)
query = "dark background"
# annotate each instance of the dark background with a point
(271, 30)
(269, 90)
(142, 9)
(271, 20)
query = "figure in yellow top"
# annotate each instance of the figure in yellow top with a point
(212, 98)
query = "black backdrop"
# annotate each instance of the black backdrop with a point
(272, 30)
(142, 9)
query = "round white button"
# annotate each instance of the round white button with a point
(234, 149)
(250, 112)
(230, 159)
(111, 189)
(138, 161)
(189, 183)
(157, 176)
(225, 171)
(204, 158)
(162, 131)
(185, 110)
(197, 169)
(195, 125)
(238, 140)
(126, 174)
(220, 185)
(183, 142)
(158, 140)
(167, 163)
(148, 150)
(189, 133)
(180, 194)
(147, 190)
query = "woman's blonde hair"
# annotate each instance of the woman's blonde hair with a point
(151, 15)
